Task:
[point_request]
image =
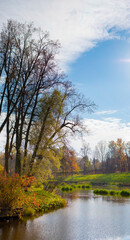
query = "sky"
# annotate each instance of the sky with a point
(95, 54)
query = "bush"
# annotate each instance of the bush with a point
(29, 211)
(112, 192)
(38, 185)
(104, 192)
(101, 191)
(67, 188)
(87, 186)
(12, 192)
(96, 191)
(125, 193)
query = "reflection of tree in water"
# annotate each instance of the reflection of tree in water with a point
(115, 199)
(13, 230)
(77, 194)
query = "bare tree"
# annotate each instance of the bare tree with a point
(100, 152)
(85, 150)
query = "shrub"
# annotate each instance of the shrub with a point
(112, 192)
(87, 186)
(101, 191)
(29, 211)
(67, 188)
(96, 191)
(27, 181)
(38, 185)
(125, 193)
(12, 192)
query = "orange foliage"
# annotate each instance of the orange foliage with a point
(69, 161)
(13, 193)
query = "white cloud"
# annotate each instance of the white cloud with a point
(78, 24)
(106, 112)
(125, 60)
(106, 130)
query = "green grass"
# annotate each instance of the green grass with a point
(111, 178)
(46, 201)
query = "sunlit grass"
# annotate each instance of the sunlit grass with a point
(113, 178)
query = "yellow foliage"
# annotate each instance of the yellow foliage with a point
(1, 168)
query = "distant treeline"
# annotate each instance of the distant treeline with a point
(107, 158)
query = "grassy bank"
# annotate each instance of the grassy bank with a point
(45, 200)
(34, 201)
(110, 179)
(20, 196)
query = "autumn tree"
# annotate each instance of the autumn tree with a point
(116, 156)
(120, 155)
(69, 161)
(127, 152)
(57, 118)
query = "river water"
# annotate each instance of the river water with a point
(87, 217)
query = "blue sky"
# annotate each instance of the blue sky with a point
(95, 54)
(103, 75)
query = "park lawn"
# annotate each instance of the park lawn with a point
(111, 178)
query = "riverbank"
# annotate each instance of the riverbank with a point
(35, 200)
(120, 179)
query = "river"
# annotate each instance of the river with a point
(87, 217)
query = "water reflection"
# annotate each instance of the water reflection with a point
(87, 217)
